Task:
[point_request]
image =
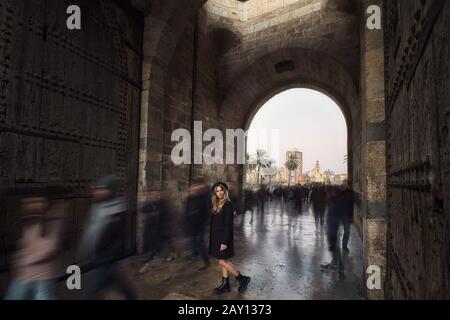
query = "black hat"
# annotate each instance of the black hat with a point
(222, 184)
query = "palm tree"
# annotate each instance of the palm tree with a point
(250, 165)
(262, 161)
(250, 162)
(291, 164)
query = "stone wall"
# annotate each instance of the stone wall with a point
(373, 145)
(308, 26)
(416, 37)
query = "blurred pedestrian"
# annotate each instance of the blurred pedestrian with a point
(249, 200)
(234, 199)
(318, 199)
(262, 198)
(340, 212)
(152, 235)
(347, 204)
(197, 215)
(36, 263)
(298, 192)
(102, 241)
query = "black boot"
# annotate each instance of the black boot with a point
(243, 282)
(224, 287)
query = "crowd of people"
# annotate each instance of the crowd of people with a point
(37, 264)
(331, 205)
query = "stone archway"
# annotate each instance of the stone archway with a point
(163, 47)
(309, 69)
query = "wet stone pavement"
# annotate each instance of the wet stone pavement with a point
(280, 250)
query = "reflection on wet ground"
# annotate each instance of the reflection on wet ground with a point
(280, 250)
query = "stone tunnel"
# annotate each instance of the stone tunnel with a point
(76, 105)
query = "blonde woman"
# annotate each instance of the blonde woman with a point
(221, 238)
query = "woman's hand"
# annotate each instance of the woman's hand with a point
(223, 247)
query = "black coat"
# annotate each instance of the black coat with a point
(221, 232)
(319, 199)
(112, 240)
(197, 212)
(341, 208)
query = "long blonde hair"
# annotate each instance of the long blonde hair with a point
(219, 203)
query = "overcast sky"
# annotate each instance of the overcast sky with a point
(306, 120)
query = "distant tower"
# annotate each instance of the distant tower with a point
(317, 168)
(317, 174)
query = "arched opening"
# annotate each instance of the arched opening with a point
(303, 119)
(282, 226)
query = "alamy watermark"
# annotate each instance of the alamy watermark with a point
(73, 282)
(374, 18)
(373, 281)
(230, 149)
(74, 19)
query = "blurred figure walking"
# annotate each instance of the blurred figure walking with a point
(340, 211)
(347, 204)
(318, 199)
(298, 194)
(249, 201)
(197, 214)
(262, 198)
(157, 233)
(103, 238)
(36, 263)
(234, 199)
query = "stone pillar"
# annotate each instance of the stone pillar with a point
(151, 118)
(373, 149)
